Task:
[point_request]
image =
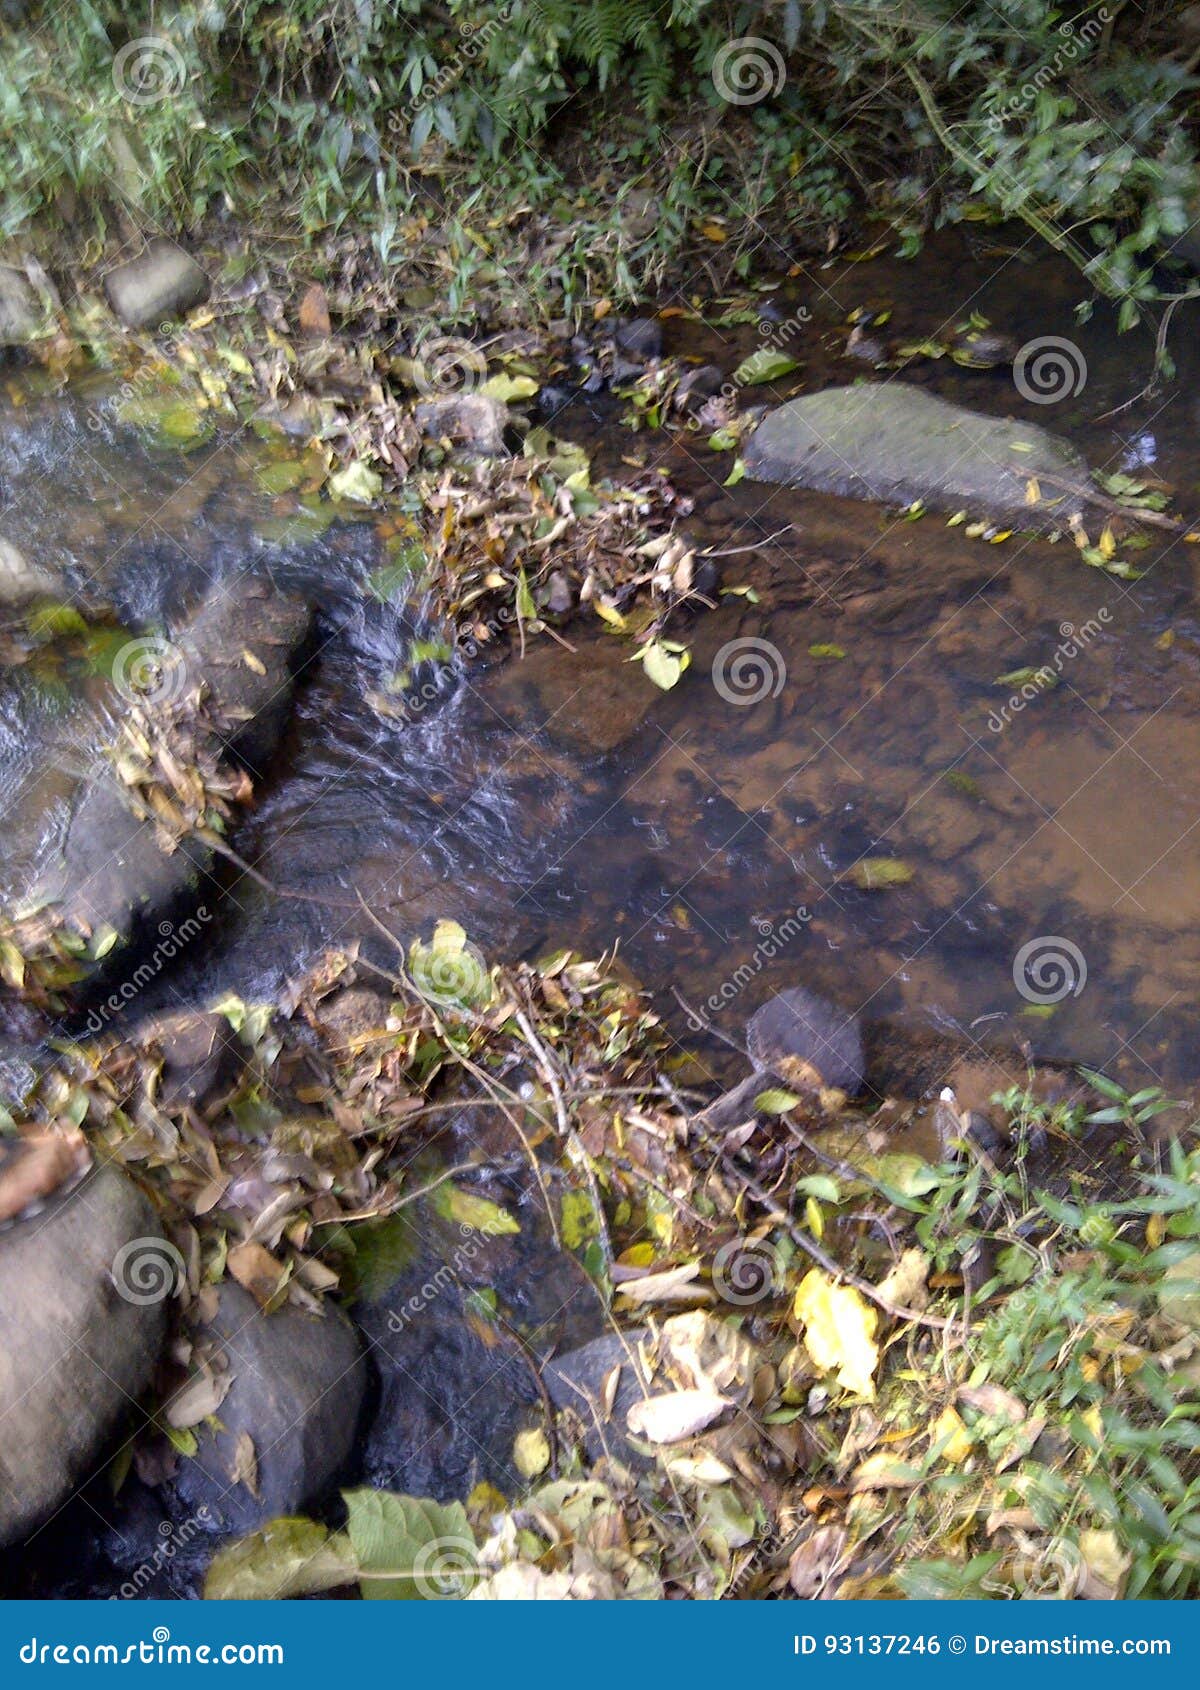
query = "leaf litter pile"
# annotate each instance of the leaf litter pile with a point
(815, 1388)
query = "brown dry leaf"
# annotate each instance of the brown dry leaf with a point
(678, 1415)
(314, 311)
(815, 1562)
(245, 1463)
(199, 1397)
(257, 1270)
(905, 1286)
(885, 1472)
(674, 1285)
(993, 1400)
(1022, 1443)
(36, 1166)
(707, 1354)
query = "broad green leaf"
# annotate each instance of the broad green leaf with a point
(428, 1544)
(466, 1209)
(767, 364)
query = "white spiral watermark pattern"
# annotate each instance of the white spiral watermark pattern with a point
(1052, 1574)
(150, 671)
(745, 1271)
(147, 1270)
(148, 70)
(444, 1568)
(450, 974)
(1048, 969)
(446, 365)
(748, 70)
(746, 671)
(1049, 369)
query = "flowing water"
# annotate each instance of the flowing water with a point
(564, 800)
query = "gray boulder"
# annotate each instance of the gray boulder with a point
(20, 308)
(286, 1426)
(20, 579)
(83, 1312)
(892, 442)
(577, 1384)
(475, 421)
(159, 285)
(101, 870)
(799, 1041)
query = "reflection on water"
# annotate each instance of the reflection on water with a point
(720, 841)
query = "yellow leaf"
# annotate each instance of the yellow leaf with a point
(1106, 545)
(949, 1429)
(839, 1331)
(531, 1453)
(1033, 491)
(713, 232)
(601, 308)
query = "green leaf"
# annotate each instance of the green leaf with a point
(506, 387)
(874, 874)
(429, 1544)
(288, 1557)
(663, 663)
(775, 1101)
(832, 652)
(767, 364)
(357, 482)
(463, 1207)
(736, 473)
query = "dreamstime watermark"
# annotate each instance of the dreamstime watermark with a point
(445, 1568)
(1052, 1574)
(145, 382)
(147, 1270)
(1075, 42)
(747, 671)
(173, 1538)
(748, 70)
(171, 940)
(775, 336)
(1049, 369)
(1073, 642)
(418, 696)
(1048, 969)
(150, 671)
(474, 37)
(446, 1276)
(446, 366)
(772, 941)
(746, 1271)
(149, 70)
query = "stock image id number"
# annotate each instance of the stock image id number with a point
(870, 1643)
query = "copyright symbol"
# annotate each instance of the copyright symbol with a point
(958, 1645)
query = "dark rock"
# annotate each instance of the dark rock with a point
(161, 284)
(576, 1384)
(642, 337)
(297, 1391)
(83, 1313)
(894, 443)
(450, 1404)
(796, 1031)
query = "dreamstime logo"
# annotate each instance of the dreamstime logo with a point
(147, 1270)
(174, 1538)
(447, 365)
(150, 671)
(745, 1271)
(450, 974)
(445, 1567)
(446, 1276)
(1075, 42)
(748, 70)
(148, 70)
(1049, 1576)
(1049, 369)
(1074, 640)
(772, 941)
(171, 940)
(746, 671)
(1048, 969)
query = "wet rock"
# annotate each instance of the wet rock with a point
(450, 1403)
(474, 420)
(894, 443)
(797, 1034)
(194, 1048)
(161, 284)
(20, 308)
(559, 598)
(103, 871)
(287, 1424)
(20, 579)
(83, 1314)
(578, 1384)
(641, 337)
(543, 692)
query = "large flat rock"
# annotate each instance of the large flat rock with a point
(894, 443)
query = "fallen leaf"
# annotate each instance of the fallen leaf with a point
(314, 311)
(35, 1166)
(673, 1285)
(816, 1561)
(949, 1437)
(678, 1415)
(839, 1331)
(531, 1453)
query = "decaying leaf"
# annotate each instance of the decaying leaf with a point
(839, 1331)
(672, 1418)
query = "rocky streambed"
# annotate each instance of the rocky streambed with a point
(314, 1181)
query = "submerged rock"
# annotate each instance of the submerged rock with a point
(160, 284)
(894, 443)
(474, 420)
(802, 1038)
(285, 1429)
(20, 309)
(83, 1296)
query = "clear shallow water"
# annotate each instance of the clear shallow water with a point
(564, 801)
